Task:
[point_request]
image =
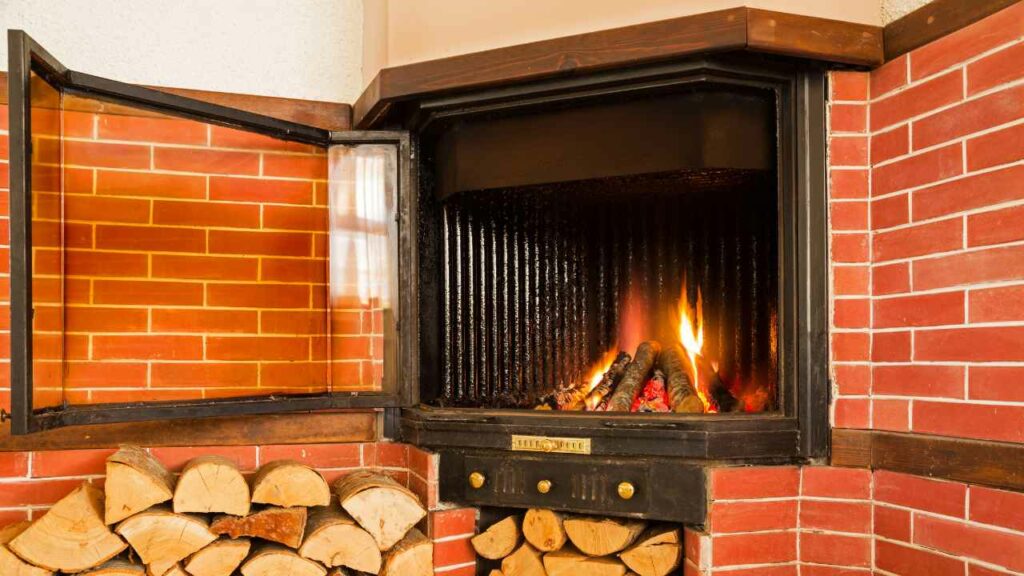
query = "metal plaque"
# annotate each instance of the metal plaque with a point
(550, 444)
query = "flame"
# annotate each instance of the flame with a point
(597, 373)
(691, 336)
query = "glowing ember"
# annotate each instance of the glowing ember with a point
(691, 336)
(597, 373)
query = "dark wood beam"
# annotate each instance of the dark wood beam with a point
(935, 20)
(309, 428)
(724, 30)
(995, 464)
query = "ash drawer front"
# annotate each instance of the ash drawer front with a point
(657, 489)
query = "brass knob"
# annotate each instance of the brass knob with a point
(548, 445)
(477, 480)
(626, 490)
(544, 486)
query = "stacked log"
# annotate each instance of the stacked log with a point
(211, 522)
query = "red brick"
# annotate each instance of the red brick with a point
(917, 100)
(834, 549)
(36, 492)
(917, 170)
(160, 239)
(96, 319)
(852, 413)
(309, 270)
(316, 455)
(890, 211)
(207, 321)
(848, 151)
(445, 523)
(996, 227)
(853, 517)
(164, 130)
(105, 374)
(852, 379)
(892, 523)
(423, 463)
(754, 516)
(78, 207)
(985, 344)
(101, 154)
(111, 264)
(899, 559)
(1003, 304)
(850, 346)
(846, 85)
(889, 76)
(996, 422)
(919, 240)
(140, 347)
(970, 117)
(312, 376)
(205, 374)
(848, 215)
(829, 482)
(848, 184)
(255, 190)
(995, 148)
(848, 117)
(260, 243)
(954, 48)
(892, 415)
(890, 144)
(823, 570)
(13, 463)
(920, 493)
(176, 458)
(976, 191)
(147, 292)
(852, 313)
(453, 552)
(258, 295)
(257, 348)
(148, 184)
(777, 570)
(763, 548)
(990, 265)
(13, 516)
(304, 218)
(919, 380)
(204, 267)
(69, 462)
(890, 279)
(919, 310)
(850, 280)
(1002, 383)
(997, 508)
(975, 570)
(396, 455)
(309, 167)
(849, 248)
(214, 214)
(995, 69)
(223, 137)
(1000, 548)
(206, 161)
(293, 322)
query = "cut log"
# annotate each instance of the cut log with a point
(499, 540)
(71, 536)
(602, 536)
(273, 560)
(220, 558)
(212, 484)
(383, 507)
(634, 377)
(576, 397)
(117, 568)
(135, 482)
(10, 564)
(162, 538)
(175, 570)
(282, 525)
(682, 395)
(569, 563)
(656, 552)
(334, 539)
(289, 483)
(525, 561)
(543, 529)
(413, 555)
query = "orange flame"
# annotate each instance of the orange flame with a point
(691, 336)
(597, 373)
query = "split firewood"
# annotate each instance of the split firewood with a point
(274, 560)
(682, 395)
(290, 483)
(334, 539)
(135, 482)
(413, 555)
(212, 484)
(656, 552)
(282, 525)
(570, 563)
(71, 536)
(634, 376)
(609, 381)
(499, 540)
(117, 568)
(383, 507)
(709, 380)
(175, 570)
(219, 558)
(525, 561)
(162, 538)
(602, 536)
(495, 573)
(543, 529)
(10, 564)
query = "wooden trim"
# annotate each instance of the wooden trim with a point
(995, 464)
(325, 115)
(723, 30)
(299, 428)
(935, 20)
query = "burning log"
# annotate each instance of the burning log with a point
(682, 396)
(543, 528)
(609, 381)
(634, 376)
(709, 380)
(499, 540)
(653, 397)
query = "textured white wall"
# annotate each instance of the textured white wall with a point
(896, 9)
(309, 49)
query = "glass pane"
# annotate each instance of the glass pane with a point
(363, 266)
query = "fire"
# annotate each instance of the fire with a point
(597, 373)
(691, 336)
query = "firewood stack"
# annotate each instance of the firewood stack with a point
(549, 543)
(211, 521)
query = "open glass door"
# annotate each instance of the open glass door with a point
(173, 258)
